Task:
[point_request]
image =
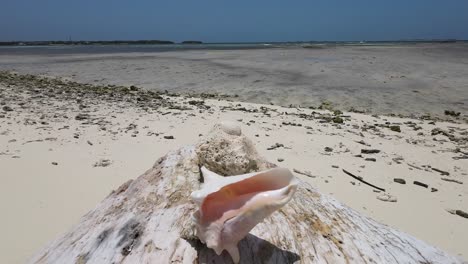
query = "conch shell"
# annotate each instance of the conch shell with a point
(229, 207)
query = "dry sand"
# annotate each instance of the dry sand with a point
(54, 141)
(403, 79)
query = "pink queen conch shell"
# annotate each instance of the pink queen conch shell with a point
(229, 207)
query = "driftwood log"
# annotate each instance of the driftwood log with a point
(148, 220)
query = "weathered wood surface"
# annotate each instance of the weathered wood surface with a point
(148, 220)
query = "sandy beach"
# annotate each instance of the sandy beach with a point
(66, 145)
(408, 79)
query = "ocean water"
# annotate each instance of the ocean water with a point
(128, 48)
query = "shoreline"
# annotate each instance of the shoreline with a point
(412, 81)
(67, 145)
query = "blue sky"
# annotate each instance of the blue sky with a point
(234, 20)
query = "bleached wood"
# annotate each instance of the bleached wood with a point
(148, 220)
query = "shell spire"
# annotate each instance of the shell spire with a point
(229, 207)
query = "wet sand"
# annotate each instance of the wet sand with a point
(404, 79)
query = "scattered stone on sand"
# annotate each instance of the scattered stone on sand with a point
(399, 180)
(395, 128)
(335, 166)
(451, 180)
(337, 120)
(306, 173)
(461, 213)
(102, 163)
(370, 151)
(169, 137)
(54, 163)
(443, 173)
(387, 198)
(413, 166)
(434, 189)
(89, 143)
(451, 113)
(81, 117)
(280, 159)
(328, 149)
(7, 108)
(371, 159)
(362, 142)
(275, 146)
(420, 184)
(458, 212)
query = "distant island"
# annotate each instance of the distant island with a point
(192, 42)
(82, 42)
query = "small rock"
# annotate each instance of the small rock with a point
(337, 120)
(399, 180)
(461, 213)
(395, 128)
(90, 143)
(433, 189)
(370, 151)
(420, 184)
(102, 163)
(280, 159)
(276, 145)
(169, 137)
(387, 198)
(451, 113)
(54, 163)
(371, 159)
(6, 108)
(328, 149)
(231, 128)
(335, 166)
(81, 117)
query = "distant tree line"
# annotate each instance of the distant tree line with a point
(82, 42)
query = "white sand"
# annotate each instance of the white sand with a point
(39, 200)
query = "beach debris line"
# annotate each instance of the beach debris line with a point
(363, 181)
(451, 180)
(443, 173)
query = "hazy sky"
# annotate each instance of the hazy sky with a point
(233, 20)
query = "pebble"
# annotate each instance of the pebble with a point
(399, 180)
(280, 159)
(387, 198)
(169, 137)
(420, 184)
(54, 163)
(370, 151)
(7, 108)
